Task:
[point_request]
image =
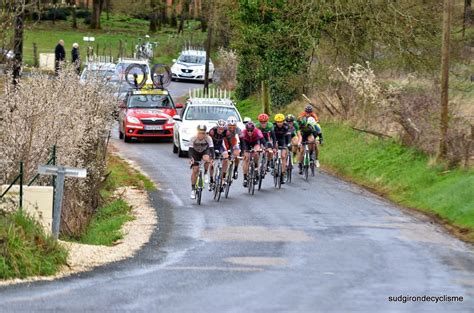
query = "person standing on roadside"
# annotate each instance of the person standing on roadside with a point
(59, 56)
(75, 57)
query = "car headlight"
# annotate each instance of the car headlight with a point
(133, 120)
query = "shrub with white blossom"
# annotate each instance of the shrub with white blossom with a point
(41, 112)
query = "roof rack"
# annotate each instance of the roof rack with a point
(214, 96)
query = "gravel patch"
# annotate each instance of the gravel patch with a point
(84, 257)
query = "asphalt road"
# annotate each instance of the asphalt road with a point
(322, 246)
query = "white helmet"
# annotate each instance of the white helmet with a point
(311, 120)
(231, 121)
(247, 119)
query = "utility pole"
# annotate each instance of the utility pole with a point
(208, 46)
(17, 41)
(444, 118)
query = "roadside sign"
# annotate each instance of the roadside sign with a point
(61, 172)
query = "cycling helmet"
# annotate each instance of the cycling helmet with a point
(232, 121)
(308, 108)
(290, 118)
(221, 123)
(202, 127)
(311, 120)
(304, 121)
(262, 118)
(250, 126)
(279, 118)
(247, 119)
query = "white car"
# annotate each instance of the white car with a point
(191, 65)
(200, 111)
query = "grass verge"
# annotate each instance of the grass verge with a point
(402, 174)
(46, 35)
(25, 249)
(105, 226)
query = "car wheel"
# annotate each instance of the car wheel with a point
(181, 153)
(175, 149)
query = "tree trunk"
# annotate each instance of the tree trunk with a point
(444, 118)
(153, 17)
(184, 15)
(95, 19)
(164, 13)
(18, 43)
(208, 55)
(74, 18)
(467, 17)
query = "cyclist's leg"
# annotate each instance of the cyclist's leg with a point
(197, 157)
(284, 154)
(311, 144)
(256, 155)
(236, 160)
(225, 163)
(245, 166)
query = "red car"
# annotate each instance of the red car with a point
(147, 113)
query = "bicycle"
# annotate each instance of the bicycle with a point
(230, 174)
(289, 166)
(277, 170)
(262, 170)
(252, 175)
(217, 185)
(200, 183)
(308, 160)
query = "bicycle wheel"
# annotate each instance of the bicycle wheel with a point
(199, 189)
(216, 180)
(252, 179)
(219, 184)
(275, 173)
(280, 174)
(161, 75)
(289, 167)
(230, 172)
(133, 73)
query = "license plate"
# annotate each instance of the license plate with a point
(149, 127)
(187, 74)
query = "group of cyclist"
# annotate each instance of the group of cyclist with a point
(285, 133)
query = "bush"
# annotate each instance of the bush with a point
(83, 14)
(52, 14)
(26, 249)
(42, 112)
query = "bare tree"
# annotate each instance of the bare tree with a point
(444, 118)
(153, 16)
(96, 11)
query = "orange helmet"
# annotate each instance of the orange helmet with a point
(262, 118)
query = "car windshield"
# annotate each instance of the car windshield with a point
(210, 113)
(150, 102)
(195, 59)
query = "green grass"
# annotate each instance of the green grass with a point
(105, 226)
(46, 35)
(26, 250)
(250, 107)
(401, 173)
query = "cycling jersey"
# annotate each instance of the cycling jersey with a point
(282, 135)
(233, 141)
(309, 130)
(200, 147)
(249, 141)
(267, 132)
(218, 139)
(294, 129)
(307, 115)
